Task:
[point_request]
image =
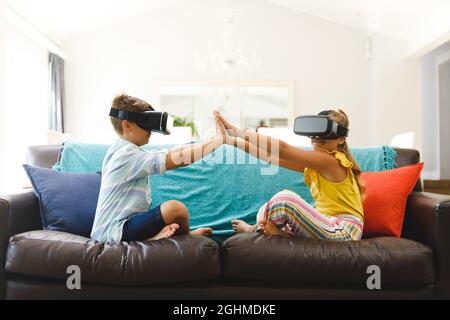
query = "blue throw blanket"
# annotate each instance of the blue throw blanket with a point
(227, 184)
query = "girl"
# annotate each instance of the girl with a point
(329, 170)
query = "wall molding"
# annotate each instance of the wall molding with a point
(15, 19)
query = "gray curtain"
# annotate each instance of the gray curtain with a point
(57, 94)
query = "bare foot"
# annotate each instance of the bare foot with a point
(240, 226)
(202, 232)
(166, 232)
(270, 229)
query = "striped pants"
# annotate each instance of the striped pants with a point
(291, 213)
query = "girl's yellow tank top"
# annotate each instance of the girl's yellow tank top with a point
(333, 198)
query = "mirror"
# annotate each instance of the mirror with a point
(249, 105)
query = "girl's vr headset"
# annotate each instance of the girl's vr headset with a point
(320, 126)
(152, 121)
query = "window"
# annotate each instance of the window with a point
(25, 112)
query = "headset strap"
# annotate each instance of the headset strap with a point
(126, 115)
(341, 130)
(325, 113)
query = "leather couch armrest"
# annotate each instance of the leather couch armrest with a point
(427, 220)
(18, 213)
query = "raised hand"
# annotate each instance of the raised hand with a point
(219, 125)
(231, 129)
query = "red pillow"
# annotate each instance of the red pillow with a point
(385, 199)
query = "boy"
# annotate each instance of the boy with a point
(123, 210)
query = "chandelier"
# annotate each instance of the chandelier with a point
(231, 57)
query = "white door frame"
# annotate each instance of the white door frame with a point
(289, 84)
(439, 61)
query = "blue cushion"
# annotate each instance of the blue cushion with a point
(67, 200)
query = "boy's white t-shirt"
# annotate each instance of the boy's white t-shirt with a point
(125, 188)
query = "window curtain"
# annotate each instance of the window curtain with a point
(57, 94)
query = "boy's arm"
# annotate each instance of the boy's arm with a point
(190, 154)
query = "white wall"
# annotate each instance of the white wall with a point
(2, 68)
(326, 60)
(431, 28)
(444, 115)
(430, 109)
(396, 92)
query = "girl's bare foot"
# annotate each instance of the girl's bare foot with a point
(202, 232)
(166, 232)
(240, 226)
(270, 229)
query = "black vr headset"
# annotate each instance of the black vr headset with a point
(152, 121)
(320, 127)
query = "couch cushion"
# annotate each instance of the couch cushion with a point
(406, 157)
(49, 253)
(385, 199)
(67, 200)
(43, 156)
(298, 260)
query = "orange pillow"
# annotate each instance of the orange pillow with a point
(385, 199)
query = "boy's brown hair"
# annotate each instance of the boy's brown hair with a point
(127, 103)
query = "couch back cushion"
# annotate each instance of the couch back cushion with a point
(48, 156)
(43, 156)
(406, 157)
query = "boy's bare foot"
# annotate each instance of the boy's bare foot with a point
(166, 232)
(202, 232)
(240, 226)
(270, 229)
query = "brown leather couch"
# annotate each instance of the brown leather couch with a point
(247, 266)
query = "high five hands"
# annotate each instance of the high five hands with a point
(224, 127)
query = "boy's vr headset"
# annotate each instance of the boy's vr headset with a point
(152, 121)
(320, 126)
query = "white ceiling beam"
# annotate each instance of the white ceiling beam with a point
(31, 31)
(421, 51)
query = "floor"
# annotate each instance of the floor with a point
(437, 186)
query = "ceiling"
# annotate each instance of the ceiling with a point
(418, 21)
(62, 19)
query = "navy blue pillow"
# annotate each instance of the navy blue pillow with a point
(68, 201)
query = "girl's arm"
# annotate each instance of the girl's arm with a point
(285, 153)
(188, 155)
(264, 155)
(252, 137)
